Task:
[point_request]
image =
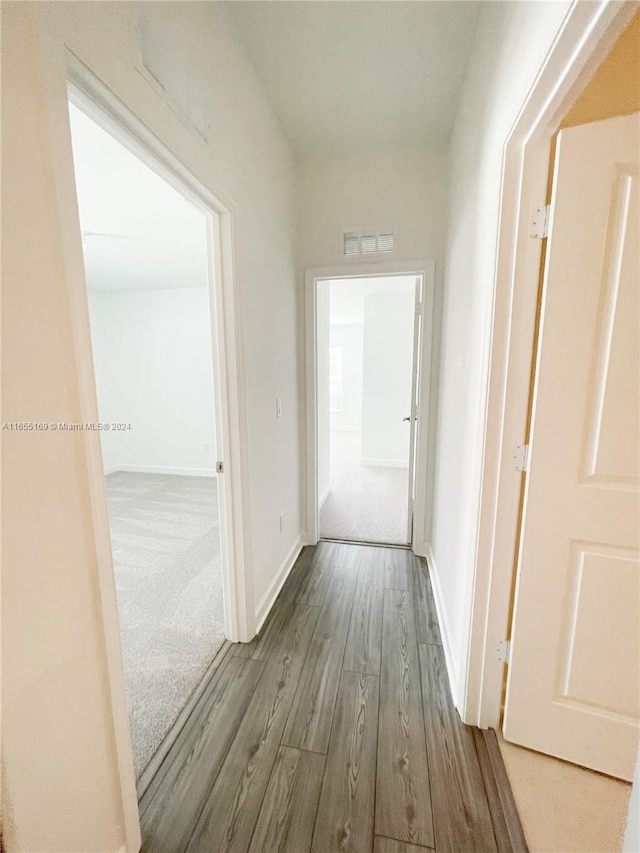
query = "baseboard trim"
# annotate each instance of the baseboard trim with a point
(160, 469)
(268, 599)
(420, 549)
(445, 631)
(323, 497)
(384, 463)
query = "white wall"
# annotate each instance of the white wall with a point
(322, 343)
(386, 387)
(153, 362)
(61, 780)
(511, 43)
(348, 336)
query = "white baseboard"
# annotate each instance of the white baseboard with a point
(305, 539)
(445, 631)
(324, 496)
(420, 549)
(385, 463)
(266, 602)
(160, 469)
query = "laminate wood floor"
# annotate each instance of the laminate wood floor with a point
(334, 730)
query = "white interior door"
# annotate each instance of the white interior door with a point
(415, 405)
(574, 677)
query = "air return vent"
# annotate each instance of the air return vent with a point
(370, 241)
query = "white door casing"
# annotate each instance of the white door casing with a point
(424, 426)
(574, 677)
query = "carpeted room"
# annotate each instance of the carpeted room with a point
(146, 265)
(165, 538)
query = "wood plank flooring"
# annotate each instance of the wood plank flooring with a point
(403, 796)
(333, 731)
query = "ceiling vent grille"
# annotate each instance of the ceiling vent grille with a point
(370, 241)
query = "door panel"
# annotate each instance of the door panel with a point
(574, 679)
(611, 449)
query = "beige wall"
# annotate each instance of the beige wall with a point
(62, 786)
(614, 90)
(57, 728)
(406, 189)
(403, 188)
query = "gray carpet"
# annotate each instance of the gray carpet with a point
(366, 503)
(166, 552)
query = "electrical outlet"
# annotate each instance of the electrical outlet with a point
(281, 522)
(278, 407)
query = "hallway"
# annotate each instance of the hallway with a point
(325, 142)
(334, 729)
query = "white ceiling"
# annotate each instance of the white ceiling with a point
(348, 76)
(346, 295)
(138, 232)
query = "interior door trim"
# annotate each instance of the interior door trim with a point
(425, 422)
(415, 404)
(81, 85)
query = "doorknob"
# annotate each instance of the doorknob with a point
(406, 419)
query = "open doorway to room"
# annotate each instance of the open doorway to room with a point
(368, 340)
(147, 257)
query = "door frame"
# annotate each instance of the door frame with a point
(86, 93)
(588, 33)
(83, 88)
(424, 452)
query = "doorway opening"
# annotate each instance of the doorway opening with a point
(368, 336)
(147, 256)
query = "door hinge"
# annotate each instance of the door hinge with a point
(521, 457)
(504, 651)
(219, 467)
(540, 222)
